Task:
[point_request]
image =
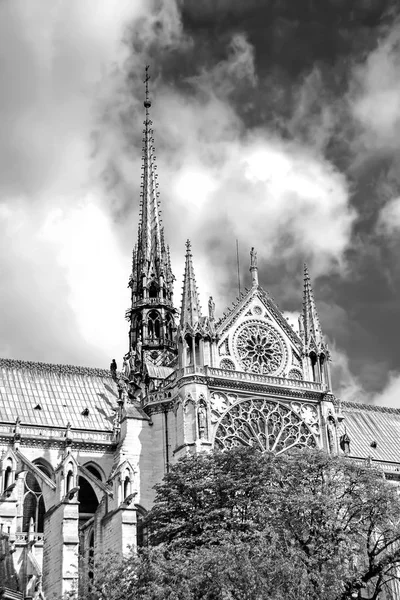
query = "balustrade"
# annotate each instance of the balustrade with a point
(250, 377)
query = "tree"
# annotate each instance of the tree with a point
(244, 525)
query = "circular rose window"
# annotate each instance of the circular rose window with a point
(259, 348)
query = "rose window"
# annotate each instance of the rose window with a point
(270, 426)
(259, 348)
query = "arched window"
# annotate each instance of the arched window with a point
(87, 498)
(322, 367)
(33, 507)
(127, 482)
(153, 290)
(154, 325)
(141, 528)
(7, 478)
(169, 328)
(314, 363)
(70, 481)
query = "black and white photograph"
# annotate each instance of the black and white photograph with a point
(199, 300)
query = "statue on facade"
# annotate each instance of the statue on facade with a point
(122, 391)
(211, 308)
(202, 419)
(139, 349)
(126, 367)
(113, 369)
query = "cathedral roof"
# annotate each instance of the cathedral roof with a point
(367, 424)
(50, 395)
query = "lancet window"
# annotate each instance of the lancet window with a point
(33, 506)
(154, 325)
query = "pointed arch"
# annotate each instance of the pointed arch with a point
(33, 505)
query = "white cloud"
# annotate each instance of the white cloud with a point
(345, 385)
(375, 95)
(390, 395)
(389, 217)
(69, 242)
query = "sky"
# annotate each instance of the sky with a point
(276, 124)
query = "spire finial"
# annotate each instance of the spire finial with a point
(190, 310)
(147, 101)
(312, 327)
(253, 267)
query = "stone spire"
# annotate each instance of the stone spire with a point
(190, 309)
(151, 315)
(151, 265)
(311, 324)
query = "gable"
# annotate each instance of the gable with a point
(255, 337)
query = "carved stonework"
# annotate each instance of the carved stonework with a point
(295, 374)
(219, 404)
(308, 414)
(268, 425)
(224, 348)
(259, 348)
(227, 364)
(296, 361)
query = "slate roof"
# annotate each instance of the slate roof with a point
(158, 372)
(367, 423)
(63, 392)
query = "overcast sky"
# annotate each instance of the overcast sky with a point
(276, 123)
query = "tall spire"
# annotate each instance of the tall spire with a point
(151, 315)
(312, 327)
(151, 261)
(190, 310)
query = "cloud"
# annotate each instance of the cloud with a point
(345, 384)
(218, 180)
(55, 59)
(374, 96)
(389, 217)
(390, 395)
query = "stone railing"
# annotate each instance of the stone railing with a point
(251, 378)
(23, 537)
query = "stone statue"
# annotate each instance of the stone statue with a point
(139, 348)
(253, 258)
(202, 418)
(113, 369)
(126, 368)
(211, 308)
(122, 390)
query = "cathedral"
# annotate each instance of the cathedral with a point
(81, 448)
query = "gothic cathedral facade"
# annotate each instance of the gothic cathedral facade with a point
(82, 448)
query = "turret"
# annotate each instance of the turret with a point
(196, 334)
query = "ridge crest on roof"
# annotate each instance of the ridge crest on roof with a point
(371, 407)
(56, 369)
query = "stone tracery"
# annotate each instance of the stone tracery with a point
(271, 426)
(258, 348)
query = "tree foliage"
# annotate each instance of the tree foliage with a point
(244, 525)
